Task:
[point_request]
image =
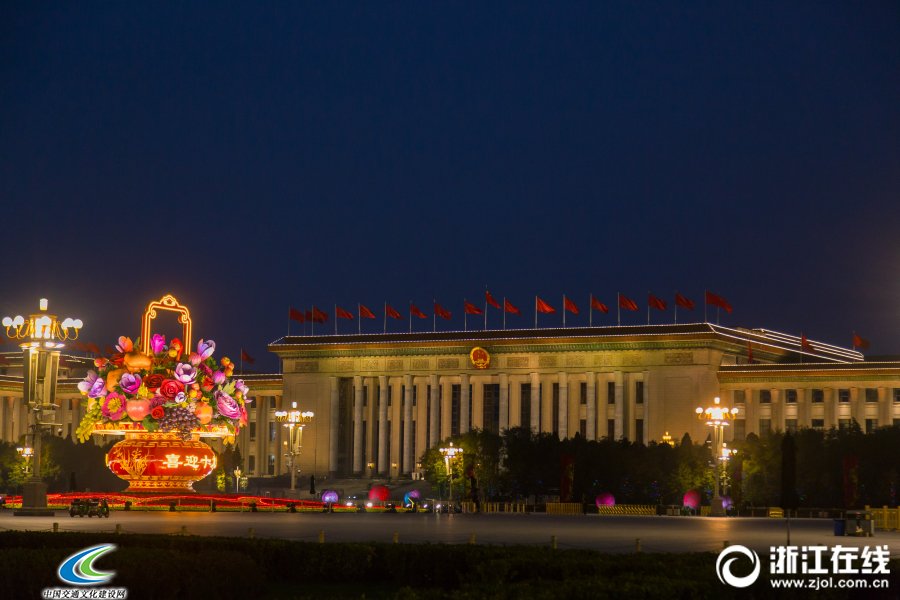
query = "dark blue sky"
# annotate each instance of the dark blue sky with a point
(248, 158)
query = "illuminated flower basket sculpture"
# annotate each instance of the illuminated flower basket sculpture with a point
(163, 401)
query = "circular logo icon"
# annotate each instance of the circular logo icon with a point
(723, 566)
(480, 358)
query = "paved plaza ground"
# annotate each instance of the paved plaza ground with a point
(604, 533)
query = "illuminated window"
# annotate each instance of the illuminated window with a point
(270, 464)
(896, 394)
(790, 425)
(818, 424)
(272, 431)
(583, 391)
(765, 426)
(252, 431)
(738, 397)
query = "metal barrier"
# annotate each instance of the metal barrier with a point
(495, 507)
(565, 508)
(885, 518)
(639, 510)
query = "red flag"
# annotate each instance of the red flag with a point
(246, 357)
(471, 309)
(657, 303)
(804, 343)
(109, 350)
(318, 316)
(597, 305)
(716, 300)
(441, 311)
(859, 342)
(508, 307)
(684, 302)
(416, 312)
(342, 314)
(627, 303)
(295, 315)
(391, 312)
(490, 299)
(365, 313)
(543, 307)
(94, 348)
(308, 316)
(749, 353)
(569, 306)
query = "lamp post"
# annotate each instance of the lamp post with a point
(237, 480)
(717, 417)
(724, 457)
(42, 335)
(294, 420)
(448, 453)
(27, 453)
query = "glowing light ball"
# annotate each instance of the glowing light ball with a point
(410, 496)
(727, 502)
(605, 499)
(379, 492)
(329, 496)
(692, 499)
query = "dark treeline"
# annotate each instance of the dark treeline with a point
(834, 468)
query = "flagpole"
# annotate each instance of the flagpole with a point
(433, 315)
(335, 319)
(358, 318)
(410, 315)
(619, 308)
(312, 322)
(504, 312)
(676, 308)
(535, 312)
(289, 321)
(648, 308)
(465, 316)
(485, 307)
(705, 319)
(564, 311)
(385, 317)
(590, 310)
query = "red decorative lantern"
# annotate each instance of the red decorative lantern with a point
(160, 462)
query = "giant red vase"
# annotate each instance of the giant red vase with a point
(160, 462)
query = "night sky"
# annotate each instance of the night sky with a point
(251, 158)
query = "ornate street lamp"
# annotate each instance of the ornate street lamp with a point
(294, 420)
(449, 453)
(717, 417)
(26, 452)
(237, 480)
(42, 335)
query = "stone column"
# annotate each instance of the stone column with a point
(371, 442)
(751, 411)
(382, 425)
(396, 420)
(333, 428)
(463, 403)
(804, 396)
(777, 410)
(621, 416)
(857, 408)
(647, 413)
(574, 409)
(434, 425)
(408, 461)
(829, 399)
(563, 416)
(446, 407)
(547, 406)
(357, 425)
(477, 418)
(536, 402)
(885, 408)
(515, 403)
(421, 416)
(504, 403)
(591, 401)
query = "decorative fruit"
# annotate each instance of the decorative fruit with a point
(112, 379)
(204, 412)
(135, 361)
(137, 409)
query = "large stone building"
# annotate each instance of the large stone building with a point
(381, 399)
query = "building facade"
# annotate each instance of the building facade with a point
(380, 400)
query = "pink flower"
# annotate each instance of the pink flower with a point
(195, 359)
(219, 378)
(130, 383)
(157, 343)
(205, 348)
(125, 345)
(240, 386)
(113, 407)
(185, 373)
(228, 406)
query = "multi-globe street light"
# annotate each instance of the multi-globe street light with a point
(294, 420)
(26, 452)
(449, 453)
(42, 337)
(717, 417)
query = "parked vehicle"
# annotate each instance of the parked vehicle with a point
(89, 507)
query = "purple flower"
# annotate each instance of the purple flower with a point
(93, 386)
(219, 378)
(130, 383)
(240, 386)
(179, 397)
(185, 373)
(205, 348)
(157, 343)
(157, 401)
(85, 386)
(228, 406)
